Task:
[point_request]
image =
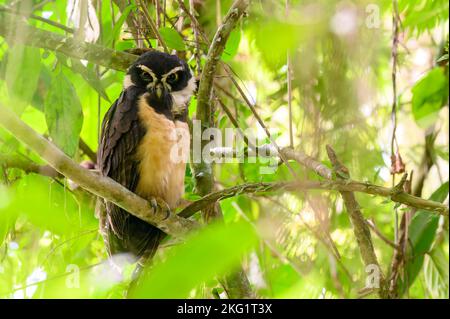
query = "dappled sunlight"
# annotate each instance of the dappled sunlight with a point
(316, 132)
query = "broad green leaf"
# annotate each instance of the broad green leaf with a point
(443, 58)
(90, 77)
(114, 35)
(423, 15)
(422, 231)
(436, 273)
(63, 114)
(424, 224)
(45, 79)
(232, 46)
(282, 279)
(284, 38)
(172, 39)
(429, 95)
(214, 251)
(22, 75)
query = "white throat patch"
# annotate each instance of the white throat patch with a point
(181, 98)
(127, 82)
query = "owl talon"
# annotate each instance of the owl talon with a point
(154, 203)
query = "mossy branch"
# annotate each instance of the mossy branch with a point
(67, 45)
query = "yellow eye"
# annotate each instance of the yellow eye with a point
(172, 78)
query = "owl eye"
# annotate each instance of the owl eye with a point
(172, 78)
(146, 77)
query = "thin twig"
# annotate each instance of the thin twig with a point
(152, 25)
(27, 166)
(381, 235)
(196, 38)
(289, 88)
(87, 151)
(36, 17)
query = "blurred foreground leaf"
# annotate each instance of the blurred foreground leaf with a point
(48, 205)
(22, 75)
(429, 95)
(214, 251)
(423, 15)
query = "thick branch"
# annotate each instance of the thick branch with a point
(307, 161)
(360, 227)
(67, 45)
(15, 161)
(214, 53)
(104, 187)
(346, 186)
(237, 284)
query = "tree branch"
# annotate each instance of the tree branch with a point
(345, 186)
(104, 187)
(307, 161)
(15, 161)
(236, 284)
(256, 188)
(35, 17)
(214, 53)
(360, 226)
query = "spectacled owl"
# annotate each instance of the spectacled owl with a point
(144, 144)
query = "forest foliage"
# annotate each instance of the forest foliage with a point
(333, 63)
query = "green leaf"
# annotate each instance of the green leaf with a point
(63, 114)
(421, 234)
(214, 251)
(47, 205)
(90, 77)
(420, 16)
(284, 38)
(7, 216)
(232, 45)
(172, 39)
(22, 75)
(45, 79)
(114, 35)
(443, 58)
(429, 95)
(436, 273)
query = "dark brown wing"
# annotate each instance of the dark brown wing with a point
(120, 138)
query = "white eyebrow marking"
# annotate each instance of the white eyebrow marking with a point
(174, 70)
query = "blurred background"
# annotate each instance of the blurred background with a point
(323, 70)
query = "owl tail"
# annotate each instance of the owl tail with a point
(137, 238)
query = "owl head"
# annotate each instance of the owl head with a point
(166, 81)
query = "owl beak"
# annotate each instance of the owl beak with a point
(159, 90)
